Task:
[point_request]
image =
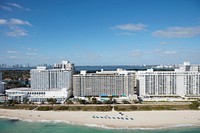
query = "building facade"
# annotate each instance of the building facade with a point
(183, 82)
(1, 84)
(47, 83)
(104, 83)
(50, 79)
(20, 94)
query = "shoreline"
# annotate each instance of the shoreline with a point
(141, 119)
(105, 127)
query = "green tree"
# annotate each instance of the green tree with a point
(114, 101)
(98, 102)
(69, 102)
(194, 105)
(25, 100)
(107, 102)
(125, 102)
(82, 101)
(51, 101)
(94, 100)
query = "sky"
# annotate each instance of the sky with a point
(99, 32)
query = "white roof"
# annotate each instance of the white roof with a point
(19, 89)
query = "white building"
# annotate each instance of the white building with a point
(104, 83)
(181, 83)
(20, 94)
(50, 79)
(1, 84)
(46, 83)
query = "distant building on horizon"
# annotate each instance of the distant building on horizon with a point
(120, 83)
(180, 83)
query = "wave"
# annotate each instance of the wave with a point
(54, 121)
(107, 127)
(103, 126)
(142, 128)
(11, 118)
(29, 120)
(99, 126)
(183, 125)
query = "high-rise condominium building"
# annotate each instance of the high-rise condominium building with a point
(52, 79)
(46, 83)
(1, 85)
(183, 82)
(104, 83)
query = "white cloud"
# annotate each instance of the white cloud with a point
(155, 52)
(169, 52)
(15, 27)
(6, 8)
(163, 43)
(15, 21)
(15, 5)
(32, 49)
(136, 52)
(130, 27)
(31, 54)
(18, 6)
(125, 33)
(14, 57)
(12, 52)
(3, 22)
(178, 32)
(17, 32)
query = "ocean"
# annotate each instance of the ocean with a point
(15, 126)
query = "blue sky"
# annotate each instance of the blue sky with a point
(99, 32)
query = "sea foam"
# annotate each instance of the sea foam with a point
(142, 128)
(103, 126)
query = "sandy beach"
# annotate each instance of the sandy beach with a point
(135, 119)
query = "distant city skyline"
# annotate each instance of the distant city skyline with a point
(99, 32)
(52, 65)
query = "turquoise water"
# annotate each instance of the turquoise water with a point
(10, 126)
